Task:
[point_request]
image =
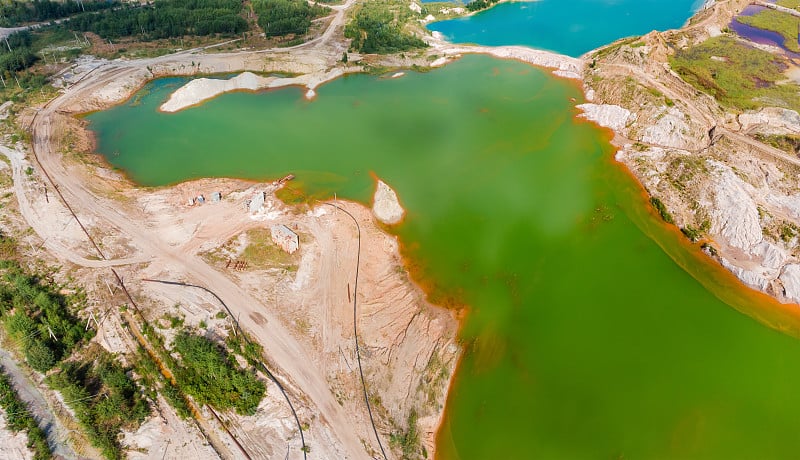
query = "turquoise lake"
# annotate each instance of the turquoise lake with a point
(566, 27)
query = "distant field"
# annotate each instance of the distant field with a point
(776, 21)
(737, 75)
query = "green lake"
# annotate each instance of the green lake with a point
(593, 329)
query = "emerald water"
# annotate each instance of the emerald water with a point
(567, 27)
(585, 337)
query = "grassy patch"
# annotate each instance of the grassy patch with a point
(8, 247)
(19, 418)
(662, 210)
(788, 231)
(745, 78)
(408, 441)
(154, 381)
(261, 252)
(788, 143)
(683, 169)
(212, 376)
(38, 318)
(776, 21)
(377, 27)
(692, 233)
(789, 3)
(245, 347)
(104, 398)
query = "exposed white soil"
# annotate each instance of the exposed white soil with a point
(13, 445)
(607, 115)
(744, 191)
(386, 206)
(702, 161)
(202, 89)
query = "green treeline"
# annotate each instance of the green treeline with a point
(477, 5)
(43, 325)
(16, 53)
(15, 12)
(375, 29)
(662, 210)
(166, 19)
(212, 376)
(283, 17)
(104, 398)
(18, 418)
(154, 382)
(38, 318)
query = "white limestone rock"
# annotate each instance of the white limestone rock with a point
(791, 282)
(771, 120)
(607, 115)
(751, 278)
(386, 206)
(734, 215)
(772, 257)
(669, 130)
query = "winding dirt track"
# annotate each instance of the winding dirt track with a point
(286, 354)
(149, 238)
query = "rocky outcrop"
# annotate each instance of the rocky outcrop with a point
(564, 66)
(750, 277)
(386, 206)
(771, 120)
(669, 129)
(607, 115)
(735, 214)
(791, 282)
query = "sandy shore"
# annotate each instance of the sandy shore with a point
(113, 82)
(200, 90)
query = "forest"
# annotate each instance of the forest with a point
(165, 19)
(38, 318)
(104, 397)
(374, 29)
(212, 376)
(16, 13)
(283, 17)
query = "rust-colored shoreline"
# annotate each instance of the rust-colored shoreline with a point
(778, 315)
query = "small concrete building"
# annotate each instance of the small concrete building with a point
(216, 197)
(285, 238)
(257, 202)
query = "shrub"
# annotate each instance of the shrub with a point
(212, 376)
(662, 210)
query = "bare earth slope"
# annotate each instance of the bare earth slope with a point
(698, 157)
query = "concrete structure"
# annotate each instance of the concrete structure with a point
(257, 202)
(285, 238)
(216, 196)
